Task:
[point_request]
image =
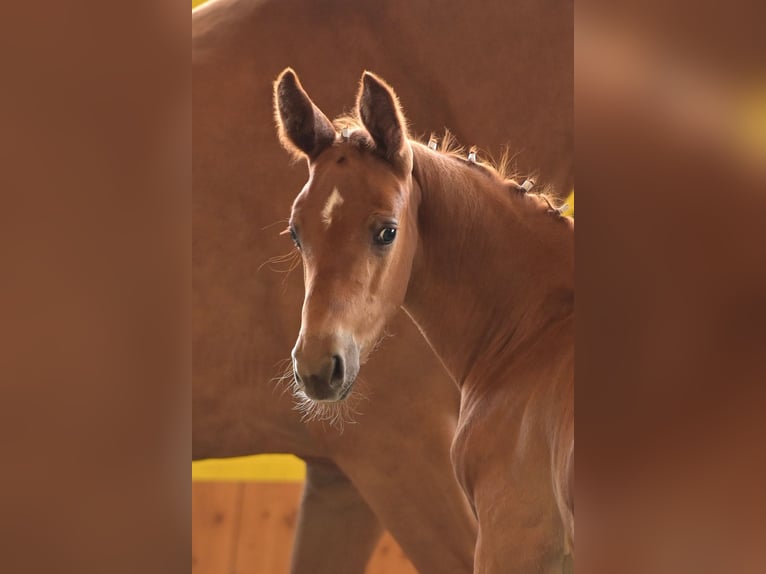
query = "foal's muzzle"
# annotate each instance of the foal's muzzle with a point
(326, 366)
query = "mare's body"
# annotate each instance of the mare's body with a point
(487, 273)
(245, 320)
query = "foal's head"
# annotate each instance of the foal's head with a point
(354, 224)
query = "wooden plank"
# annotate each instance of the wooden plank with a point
(215, 522)
(269, 516)
(388, 558)
(248, 528)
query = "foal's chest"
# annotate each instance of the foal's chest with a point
(498, 438)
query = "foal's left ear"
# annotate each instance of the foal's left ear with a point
(382, 116)
(303, 128)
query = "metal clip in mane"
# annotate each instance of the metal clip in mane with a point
(472, 157)
(432, 144)
(345, 133)
(527, 185)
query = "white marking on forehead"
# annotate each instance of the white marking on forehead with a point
(335, 200)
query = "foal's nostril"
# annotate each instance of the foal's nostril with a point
(337, 369)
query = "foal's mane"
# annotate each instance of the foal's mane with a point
(500, 169)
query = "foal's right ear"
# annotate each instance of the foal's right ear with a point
(303, 128)
(380, 112)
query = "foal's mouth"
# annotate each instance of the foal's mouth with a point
(337, 411)
(327, 395)
(342, 394)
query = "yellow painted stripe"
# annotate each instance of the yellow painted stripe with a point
(196, 3)
(570, 201)
(263, 467)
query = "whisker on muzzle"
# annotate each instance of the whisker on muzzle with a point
(286, 379)
(338, 413)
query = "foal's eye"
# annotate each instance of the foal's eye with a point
(294, 237)
(386, 236)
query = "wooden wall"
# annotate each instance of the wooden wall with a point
(247, 528)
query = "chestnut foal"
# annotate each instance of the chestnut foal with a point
(487, 273)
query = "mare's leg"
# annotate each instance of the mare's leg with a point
(422, 506)
(337, 532)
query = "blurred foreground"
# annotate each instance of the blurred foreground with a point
(671, 166)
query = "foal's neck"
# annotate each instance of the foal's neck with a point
(493, 269)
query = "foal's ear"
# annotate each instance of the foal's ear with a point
(303, 128)
(381, 114)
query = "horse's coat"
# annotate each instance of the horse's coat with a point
(485, 270)
(245, 314)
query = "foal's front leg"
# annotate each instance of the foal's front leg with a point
(337, 532)
(520, 528)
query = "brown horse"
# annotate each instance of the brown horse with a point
(487, 273)
(245, 314)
